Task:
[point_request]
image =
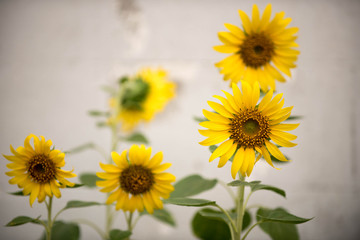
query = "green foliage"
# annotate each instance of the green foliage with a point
(136, 137)
(218, 215)
(101, 124)
(62, 230)
(96, 113)
(190, 202)
(81, 148)
(212, 148)
(294, 117)
(199, 119)
(192, 185)
(89, 179)
(20, 220)
(209, 228)
(238, 183)
(117, 234)
(259, 186)
(279, 215)
(80, 204)
(75, 186)
(162, 215)
(134, 94)
(17, 193)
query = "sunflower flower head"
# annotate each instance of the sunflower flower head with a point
(38, 169)
(244, 129)
(141, 97)
(261, 51)
(136, 181)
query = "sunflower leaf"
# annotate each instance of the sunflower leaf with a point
(237, 183)
(294, 117)
(17, 193)
(77, 185)
(279, 215)
(192, 185)
(199, 119)
(79, 204)
(117, 234)
(96, 113)
(190, 202)
(20, 220)
(63, 230)
(215, 214)
(204, 227)
(162, 215)
(89, 179)
(258, 187)
(136, 137)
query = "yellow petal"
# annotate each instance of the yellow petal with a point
(34, 193)
(265, 17)
(113, 197)
(155, 160)
(216, 117)
(281, 141)
(235, 30)
(246, 22)
(222, 136)
(237, 162)
(255, 18)
(224, 158)
(226, 104)
(285, 127)
(161, 168)
(110, 168)
(226, 49)
(275, 151)
(165, 177)
(221, 150)
(215, 126)
(220, 109)
(120, 160)
(229, 39)
(148, 203)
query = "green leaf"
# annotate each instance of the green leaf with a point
(136, 137)
(117, 234)
(212, 148)
(190, 202)
(258, 187)
(80, 204)
(101, 124)
(89, 179)
(20, 220)
(279, 215)
(75, 186)
(294, 117)
(192, 185)
(218, 215)
(162, 215)
(62, 230)
(109, 89)
(96, 113)
(81, 148)
(280, 231)
(18, 193)
(237, 183)
(200, 119)
(209, 228)
(277, 161)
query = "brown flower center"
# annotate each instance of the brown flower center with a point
(136, 179)
(41, 168)
(257, 50)
(250, 128)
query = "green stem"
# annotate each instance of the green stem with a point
(233, 226)
(93, 225)
(49, 222)
(248, 231)
(231, 193)
(108, 213)
(129, 223)
(247, 200)
(240, 208)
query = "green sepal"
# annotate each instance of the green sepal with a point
(212, 148)
(117, 234)
(200, 119)
(192, 185)
(80, 204)
(20, 220)
(294, 117)
(162, 215)
(77, 185)
(89, 179)
(63, 230)
(279, 215)
(17, 193)
(136, 137)
(190, 202)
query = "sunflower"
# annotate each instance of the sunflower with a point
(245, 129)
(261, 51)
(142, 97)
(136, 181)
(37, 170)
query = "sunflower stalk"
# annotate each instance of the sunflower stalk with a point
(49, 222)
(240, 208)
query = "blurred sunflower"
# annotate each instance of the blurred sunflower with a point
(245, 129)
(142, 97)
(261, 51)
(138, 181)
(37, 170)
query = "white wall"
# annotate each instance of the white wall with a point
(55, 56)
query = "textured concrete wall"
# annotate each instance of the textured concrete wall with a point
(55, 56)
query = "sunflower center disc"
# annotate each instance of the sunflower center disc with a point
(41, 169)
(257, 50)
(136, 179)
(250, 128)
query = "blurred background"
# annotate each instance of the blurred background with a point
(56, 55)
